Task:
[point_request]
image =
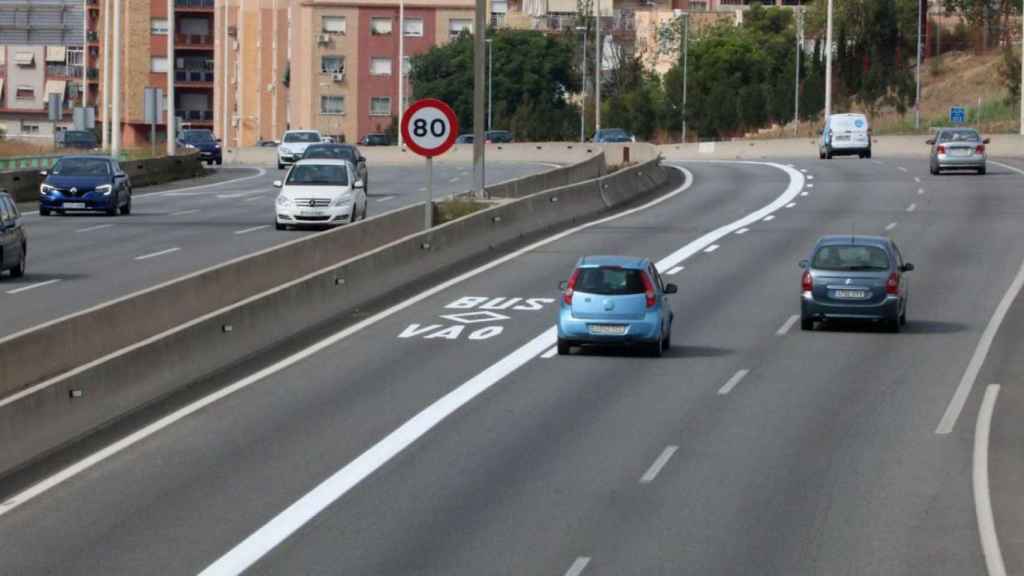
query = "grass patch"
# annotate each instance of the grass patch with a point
(21, 148)
(454, 209)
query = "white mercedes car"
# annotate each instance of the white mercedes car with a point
(320, 192)
(293, 146)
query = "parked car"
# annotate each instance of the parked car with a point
(80, 140)
(320, 192)
(857, 278)
(614, 300)
(13, 244)
(845, 135)
(498, 136)
(958, 149)
(268, 143)
(85, 183)
(612, 135)
(341, 152)
(294, 144)
(376, 139)
(464, 139)
(202, 140)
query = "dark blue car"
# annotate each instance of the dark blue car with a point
(85, 183)
(203, 142)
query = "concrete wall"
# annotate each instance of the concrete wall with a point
(43, 419)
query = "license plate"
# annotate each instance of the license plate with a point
(74, 205)
(842, 138)
(608, 330)
(961, 152)
(310, 213)
(850, 294)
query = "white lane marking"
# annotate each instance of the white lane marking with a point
(33, 286)
(791, 205)
(963, 390)
(742, 231)
(1008, 167)
(267, 537)
(550, 353)
(769, 218)
(982, 496)
(809, 186)
(155, 254)
(93, 228)
(809, 177)
(578, 566)
(917, 180)
(920, 191)
(890, 226)
(804, 170)
(658, 464)
(803, 193)
(912, 207)
(88, 462)
(384, 199)
(901, 168)
(184, 212)
(454, 180)
(424, 189)
(879, 162)
(227, 196)
(711, 248)
(732, 382)
(787, 325)
(675, 270)
(253, 229)
(255, 198)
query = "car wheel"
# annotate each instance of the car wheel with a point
(127, 208)
(821, 155)
(44, 211)
(933, 169)
(828, 155)
(564, 347)
(220, 161)
(982, 171)
(19, 270)
(280, 166)
(893, 325)
(806, 323)
(868, 154)
(279, 226)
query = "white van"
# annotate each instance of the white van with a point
(845, 135)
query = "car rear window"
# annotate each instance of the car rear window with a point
(302, 137)
(608, 280)
(851, 258)
(318, 175)
(82, 167)
(339, 152)
(959, 136)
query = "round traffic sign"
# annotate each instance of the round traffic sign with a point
(429, 127)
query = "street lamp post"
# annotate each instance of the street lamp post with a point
(799, 48)
(1020, 85)
(490, 81)
(686, 65)
(583, 86)
(828, 66)
(597, 67)
(401, 66)
(917, 96)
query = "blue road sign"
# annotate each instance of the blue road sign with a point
(957, 115)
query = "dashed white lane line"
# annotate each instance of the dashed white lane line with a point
(33, 286)
(804, 170)
(658, 464)
(787, 325)
(901, 169)
(454, 180)
(890, 226)
(711, 248)
(912, 207)
(155, 254)
(769, 218)
(732, 382)
(982, 496)
(424, 189)
(879, 162)
(675, 270)
(550, 353)
(917, 180)
(184, 212)
(94, 228)
(385, 199)
(809, 186)
(920, 191)
(578, 566)
(255, 198)
(230, 196)
(791, 205)
(742, 231)
(963, 390)
(803, 193)
(809, 177)
(253, 229)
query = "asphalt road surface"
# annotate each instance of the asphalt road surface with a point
(82, 260)
(443, 437)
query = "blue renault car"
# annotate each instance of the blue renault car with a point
(202, 141)
(85, 184)
(615, 301)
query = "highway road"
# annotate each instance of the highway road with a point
(442, 436)
(82, 260)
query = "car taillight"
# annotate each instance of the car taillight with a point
(570, 287)
(807, 283)
(893, 284)
(941, 149)
(979, 149)
(649, 291)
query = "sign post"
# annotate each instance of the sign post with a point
(153, 107)
(429, 128)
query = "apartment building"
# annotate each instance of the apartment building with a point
(43, 52)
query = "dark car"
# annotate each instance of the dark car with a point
(498, 136)
(203, 141)
(855, 278)
(80, 140)
(612, 135)
(13, 246)
(464, 139)
(85, 183)
(376, 139)
(341, 152)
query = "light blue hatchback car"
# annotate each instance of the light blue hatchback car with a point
(616, 301)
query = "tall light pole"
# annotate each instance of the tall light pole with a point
(105, 87)
(799, 48)
(686, 65)
(401, 67)
(115, 122)
(85, 54)
(273, 81)
(490, 81)
(225, 113)
(1020, 84)
(583, 86)
(171, 115)
(479, 75)
(597, 68)
(828, 66)
(917, 96)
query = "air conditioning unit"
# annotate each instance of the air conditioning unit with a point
(323, 38)
(338, 76)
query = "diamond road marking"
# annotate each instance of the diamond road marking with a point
(475, 317)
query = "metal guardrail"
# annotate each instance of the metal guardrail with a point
(16, 163)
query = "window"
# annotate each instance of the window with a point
(25, 59)
(406, 66)
(380, 26)
(457, 25)
(333, 24)
(851, 258)
(380, 66)
(414, 27)
(158, 26)
(318, 175)
(332, 64)
(158, 64)
(380, 106)
(6, 214)
(610, 281)
(30, 129)
(332, 105)
(25, 93)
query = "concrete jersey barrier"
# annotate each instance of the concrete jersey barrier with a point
(43, 419)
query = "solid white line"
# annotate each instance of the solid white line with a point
(676, 270)
(550, 353)
(184, 212)
(155, 254)
(956, 405)
(912, 207)
(33, 286)
(736, 378)
(384, 199)
(228, 196)
(787, 325)
(578, 566)
(791, 205)
(92, 228)
(658, 464)
(901, 168)
(890, 226)
(1008, 167)
(711, 248)
(253, 229)
(255, 198)
(742, 231)
(769, 218)
(982, 496)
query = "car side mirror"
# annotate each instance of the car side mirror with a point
(218, 141)
(907, 267)
(671, 288)
(986, 141)
(563, 285)
(43, 173)
(277, 184)
(803, 264)
(930, 141)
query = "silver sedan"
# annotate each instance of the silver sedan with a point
(958, 149)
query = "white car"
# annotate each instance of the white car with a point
(294, 145)
(320, 192)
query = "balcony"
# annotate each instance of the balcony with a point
(63, 71)
(199, 77)
(195, 116)
(194, 5)
(201, 42)
(93, 37)
(93, 74)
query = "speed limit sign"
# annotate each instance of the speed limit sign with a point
(429, 127)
